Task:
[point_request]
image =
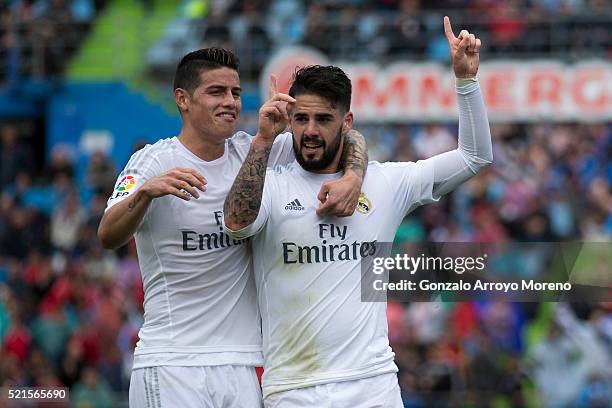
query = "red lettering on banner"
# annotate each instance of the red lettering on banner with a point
(431, 89)
(588, 90)
(366, 91)
(363, 90)
(513, 90)
(498, 90)
(545, 87)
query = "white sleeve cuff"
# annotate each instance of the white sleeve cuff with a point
(242, 233)
(465, 86)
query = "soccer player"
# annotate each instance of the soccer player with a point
(323, 347)
(201, 336)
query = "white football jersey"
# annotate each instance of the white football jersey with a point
(200, 303)
(316, 329)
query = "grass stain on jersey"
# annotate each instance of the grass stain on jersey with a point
(305, 356)
(299, 344)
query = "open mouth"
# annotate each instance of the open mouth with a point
(311, 148)
(227, 116)
(312, 144)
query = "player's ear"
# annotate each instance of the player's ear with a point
(181, 98)
(347, 124)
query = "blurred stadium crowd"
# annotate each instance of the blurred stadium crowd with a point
(38, 37)
(386, 30)
(70, 311)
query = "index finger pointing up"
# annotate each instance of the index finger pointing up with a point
(448, 30)
(273, 89)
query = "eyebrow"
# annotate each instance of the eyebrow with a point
(223, 88)
(317, 115)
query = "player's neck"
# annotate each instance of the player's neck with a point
(334, 166)
(331, 169)
(206, 150)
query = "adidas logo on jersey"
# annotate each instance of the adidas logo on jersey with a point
(295, 205)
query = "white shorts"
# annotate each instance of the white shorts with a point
(225, 386)
(381, 391)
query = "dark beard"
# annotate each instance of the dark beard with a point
(329, 153)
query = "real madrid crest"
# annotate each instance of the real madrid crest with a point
(364, 205)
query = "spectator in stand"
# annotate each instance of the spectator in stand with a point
(432, 140)
(557, 368)
(92, 391)
(66, 222)
(101, 173)
(60, 164)
(73, 362)
(14, 156)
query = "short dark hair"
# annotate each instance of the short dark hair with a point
(190, 67)
(329, 82)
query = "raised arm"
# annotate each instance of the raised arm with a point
(474, 148)
(243, 202)
(244, 199)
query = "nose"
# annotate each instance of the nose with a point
(311, 129)
(229, 101)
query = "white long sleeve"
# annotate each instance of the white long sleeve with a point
(475, 150)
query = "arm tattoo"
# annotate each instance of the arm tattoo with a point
(133, 203)
(355, 153)
(244, 199)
